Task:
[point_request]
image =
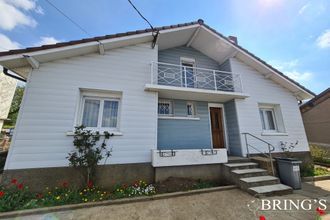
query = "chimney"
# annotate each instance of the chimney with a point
(233, 39)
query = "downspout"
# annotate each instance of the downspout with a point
(5, 71)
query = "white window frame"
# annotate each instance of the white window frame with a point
(100, 115)
(263, 111)
(192, 109)
(163, 101)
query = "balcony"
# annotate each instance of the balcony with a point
(184, 82)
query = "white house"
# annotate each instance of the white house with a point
(178, 96)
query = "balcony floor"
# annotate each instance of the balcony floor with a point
(171, 92)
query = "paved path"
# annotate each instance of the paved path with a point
(231, 204)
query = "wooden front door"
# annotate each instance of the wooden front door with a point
(217, 127)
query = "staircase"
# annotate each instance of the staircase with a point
(249, 177)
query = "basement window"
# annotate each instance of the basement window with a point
(165, 108)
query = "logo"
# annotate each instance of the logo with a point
(271, 205)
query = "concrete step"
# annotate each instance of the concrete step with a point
(238, 166)
(244, 173)
(270, 190)
(235, 159)
(245, 183)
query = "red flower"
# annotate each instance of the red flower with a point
(39, 195)
(2, 193)
(65, 184)
(14, 181)
(20, 186)
(262, 217)
(320, 211)
(90, 184)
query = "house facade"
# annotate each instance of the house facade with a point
(177, 99)
(315, 114)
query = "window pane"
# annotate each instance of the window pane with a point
(262, 119)
(190, 109)
(271, 122)
(110, 112)
(91, 112)
(164, 108)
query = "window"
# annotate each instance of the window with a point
(101, 113)
(190, 109)
(268, 120)
(164, 107)
(188, 65)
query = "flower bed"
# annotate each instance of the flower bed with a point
(16, 196)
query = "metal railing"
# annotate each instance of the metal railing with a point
(192, 77)
(268, 154)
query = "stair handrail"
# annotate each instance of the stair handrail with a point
(271, 148)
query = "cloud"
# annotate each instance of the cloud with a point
(299, 76)
(289, 68)
(303, 8)
(312, 9)
(13, 13)
(323, 41)
(47, 40)
(284, 65)
(7, 44)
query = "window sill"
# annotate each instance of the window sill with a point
(179, 118)
(115, 133)
(274, 134)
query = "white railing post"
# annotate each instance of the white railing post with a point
(152, 73)
(215, 80)
(185, 75)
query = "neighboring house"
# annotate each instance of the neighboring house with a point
(7, 91)
(183, 87)
(316, 117)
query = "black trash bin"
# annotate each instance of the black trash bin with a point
(289, 172)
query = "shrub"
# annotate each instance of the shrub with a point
(87, 155)
(319, 154)
(310, 170)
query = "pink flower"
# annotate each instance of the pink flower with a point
(20, 186)
(39, 195)
(65, 184)
(90, 184)
(320, 211)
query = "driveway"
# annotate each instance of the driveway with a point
(231, 204)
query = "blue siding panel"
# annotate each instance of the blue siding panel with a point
(233, 131)
(185, 134)
(173, 55)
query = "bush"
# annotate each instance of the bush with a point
(310, 170)
(319, 154)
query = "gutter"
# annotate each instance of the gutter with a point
(5, 71)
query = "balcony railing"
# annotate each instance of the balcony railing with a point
(191, 77)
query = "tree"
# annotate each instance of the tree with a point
(87, 155)
(15, 106)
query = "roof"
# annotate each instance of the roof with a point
(316, 100)
(130, 33)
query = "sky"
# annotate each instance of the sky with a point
(293, 36)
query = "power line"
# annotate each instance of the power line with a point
(70, 19)
(140, 14)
